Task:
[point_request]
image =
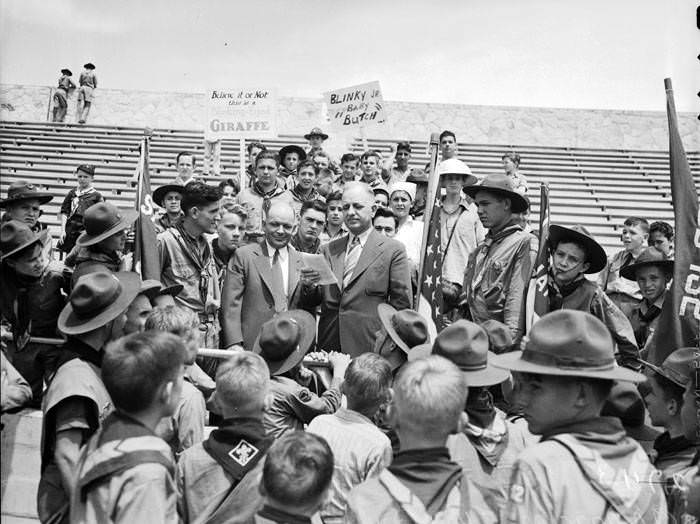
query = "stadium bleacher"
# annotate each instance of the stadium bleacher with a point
(596, 188)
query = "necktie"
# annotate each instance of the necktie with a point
(278, 282)
(351, 259)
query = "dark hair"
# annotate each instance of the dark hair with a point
(515, 157)
(671, 390)
(229, 182)
(267, 155)
(637, 221)
(383, 212)
(348, 157)
(367, 381)
(306, 163)
(662, 227)
(197, 194)
(406, 146)
(298, 469)
(134, 367)
(186, 153)
(259, 145)
(571, 240)
(447, 133)
(335, 195)
(318, 205)
(371, 152)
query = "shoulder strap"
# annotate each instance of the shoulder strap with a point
(452, 232)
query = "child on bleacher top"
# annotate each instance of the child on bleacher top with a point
(125, 472)
(60, 95)
(77, 201)
(360, 449)
(88, 84)
(624, 292)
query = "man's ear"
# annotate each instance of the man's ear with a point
(584, 395)
(374, 209)
(673, 407)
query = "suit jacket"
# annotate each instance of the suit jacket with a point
(349, 319)
(247, 300)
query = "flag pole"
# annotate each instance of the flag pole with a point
(433, 185)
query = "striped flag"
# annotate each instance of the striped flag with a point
(429, 281)
(146, 259)
(679, 321)
(537, 303)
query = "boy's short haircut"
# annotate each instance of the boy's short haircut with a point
(403, 146)
(637, 222)
(298, 469)
(348, 157)
(372, 152)
(579, 245)
(177, 320)
(135, 367)
(429, 396)
(385, 212)
(229, 182)
(671, 390)
(515, 157)
(267, 155)
(334, 196)
(447, 133)
(367, 380)
(235, 209)
(662, 227)
(199, 194)
(258, 145)
(306, 163)
(320, 152)
(243, 382)
(318, 205)
(186, 153)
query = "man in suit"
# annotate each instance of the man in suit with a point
(261, 279)
(371, 269)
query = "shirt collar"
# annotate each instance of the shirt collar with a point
(362, 237)
(271, 251)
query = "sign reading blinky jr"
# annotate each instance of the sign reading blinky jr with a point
(361, 105)
(240, 113)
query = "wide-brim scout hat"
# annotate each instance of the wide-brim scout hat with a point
(292, 149)
(16, 236)
(89, 65)
(595, 254)
(650, 256)
(407, 328)
(499, 184)
(568, 343)
(407, 187)
(466, 344)
(316, 131)
(678, 367)
(173, 290)
(103, 220)
(625, 403)
(151, 288)
(159, 194)
(22, 190)
(98, 298)
(66, 72)
(284, 340)
(454, 166)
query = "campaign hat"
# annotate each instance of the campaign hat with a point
(454, 166)
(89, 65)
(407, 328)
(568, 343)
(500, 337)
(625, 403)
(23, 190)
(679, 367)
(292, 148)
(102, 220)
(284, 340)
(316, 131)
(151, 288)
(98, 298)
(650, 256)
(500, 184)
(16, 236)
(159, 194)
(66, 72)
(595, 254)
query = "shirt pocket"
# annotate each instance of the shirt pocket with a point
(184, 272)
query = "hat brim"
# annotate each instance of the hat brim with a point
(173, 290)
(292, 149)
(159, 194)
(513, 362)
(420, 351)
(67, 72)
(151, 288)
(489, 376)
(71, 324)
(630, 272)
(519, 203)
(128, 218)
(42, 238)
(308, 334)
(43, 198)
(89, 65)
(660, 371)
(385, 312)
(310, 135)
(595, 254)
(469, 180)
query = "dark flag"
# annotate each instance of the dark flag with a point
(679, 321)
(537, 303)
(146, 260)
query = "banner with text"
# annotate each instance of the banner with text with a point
(240, 113)
(356, 106)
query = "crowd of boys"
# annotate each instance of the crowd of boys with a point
(334, 403)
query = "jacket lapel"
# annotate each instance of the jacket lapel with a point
(294, 259)
(371, 251)
(337, 252)
(261, 262)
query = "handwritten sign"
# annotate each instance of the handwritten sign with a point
(240, 113)
(361, 106)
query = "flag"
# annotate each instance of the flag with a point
(537, 303)
(679, 321)
(146, 259)
(429, 281)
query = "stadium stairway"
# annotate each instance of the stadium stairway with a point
(596, 188)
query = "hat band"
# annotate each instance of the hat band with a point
(473, 367)
(567, 363)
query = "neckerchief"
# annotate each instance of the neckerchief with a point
(282, 517)
(78, 194)
(200, 255)
(490, 442)
(664, 444)
(557, 293)
(266, 195)
(237, 445)
(648, 312)
(221, 257)
(312, 194)
(428, 473)
(483, 249)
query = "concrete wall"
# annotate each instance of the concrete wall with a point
(406, 120)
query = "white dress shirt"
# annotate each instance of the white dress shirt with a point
(284, 261)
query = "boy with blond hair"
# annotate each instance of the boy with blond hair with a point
(218, 478)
